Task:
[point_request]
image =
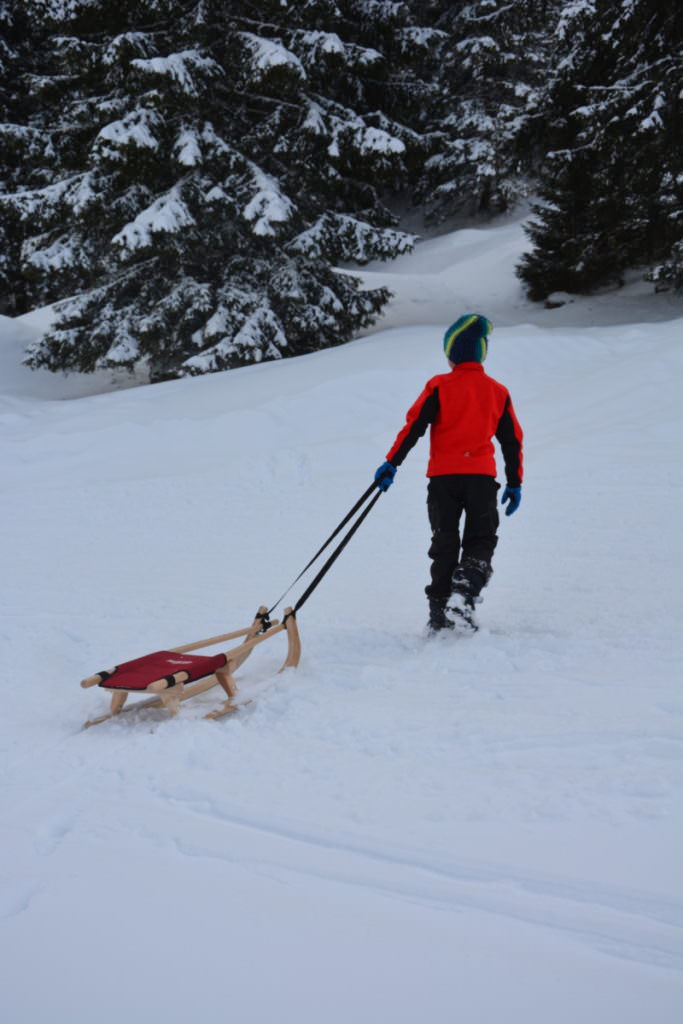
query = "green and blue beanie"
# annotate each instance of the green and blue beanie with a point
(466, 340)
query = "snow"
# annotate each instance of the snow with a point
(136, 129)
(572, 12)
(654, 119)
(376, 140)
(59, 255)
(365, 139)
(359, 239)
(483, 829)
(63, 10)
(76, 191)
(315, 119)
(475, 266)
(125, 348)
(477, 45)
(267, 206)
(250, 336)
(187, 149)
(267, 54)
(365, 54)
(122, 44)
(422, 37)
(168, 215)
(323, 42)
(183, 68)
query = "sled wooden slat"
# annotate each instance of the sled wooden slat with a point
(228, 708)
(170, 691)
(236, 656)
(186, 648)
(294, 641)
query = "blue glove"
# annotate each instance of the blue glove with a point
(385, 476)
(513, 495)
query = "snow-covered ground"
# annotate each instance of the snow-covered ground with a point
(475, 830)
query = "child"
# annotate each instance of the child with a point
(465, 409)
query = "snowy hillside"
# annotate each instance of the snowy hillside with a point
(401, 830)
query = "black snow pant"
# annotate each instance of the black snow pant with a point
(462, 565)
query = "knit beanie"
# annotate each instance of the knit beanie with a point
(466, 340)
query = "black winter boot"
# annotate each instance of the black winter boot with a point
(438, 619)
(471, 576)
(469, 579)
(460, 608)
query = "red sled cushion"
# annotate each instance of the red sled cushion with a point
(139, 673)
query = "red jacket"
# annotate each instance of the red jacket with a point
(466, 409)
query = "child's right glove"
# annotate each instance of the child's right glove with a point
(513, 495)
(385, 476)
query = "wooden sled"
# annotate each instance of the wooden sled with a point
(175, 675)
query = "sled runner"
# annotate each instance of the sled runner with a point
(173, 676)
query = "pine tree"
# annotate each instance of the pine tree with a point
(17, 147)
(669, 274)
(492, 62)
(204, 168)
(612, 185)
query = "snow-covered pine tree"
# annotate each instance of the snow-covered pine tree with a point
(612, 186)
(669, 274)
(492, 63)
(13, 32)
(17, 144)
(210, 163)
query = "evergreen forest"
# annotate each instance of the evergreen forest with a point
(185, 177)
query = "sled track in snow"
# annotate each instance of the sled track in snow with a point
(630, 925)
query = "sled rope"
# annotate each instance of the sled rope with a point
(333, 557)
(337, 551)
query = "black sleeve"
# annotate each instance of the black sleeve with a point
(509, 437)
(415, 428)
